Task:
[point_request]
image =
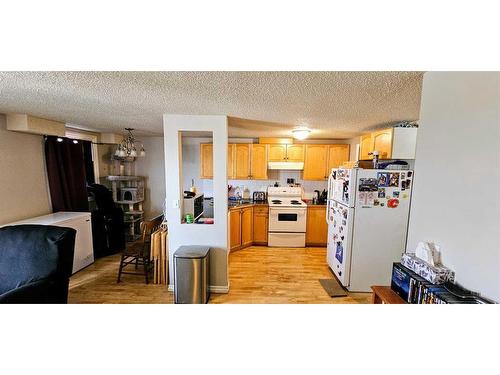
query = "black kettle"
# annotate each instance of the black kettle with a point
(323, 197)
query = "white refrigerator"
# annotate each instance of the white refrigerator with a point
(367, 216)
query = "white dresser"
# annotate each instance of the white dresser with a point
(80, 221)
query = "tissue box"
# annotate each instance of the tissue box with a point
(435, 274)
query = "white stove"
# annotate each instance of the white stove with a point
(287, 217)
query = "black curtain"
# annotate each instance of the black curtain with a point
(89, 163)
(66, 173)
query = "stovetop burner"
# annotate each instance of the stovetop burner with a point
(276, 201)
(295, 202)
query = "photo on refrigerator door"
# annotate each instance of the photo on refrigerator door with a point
(383, 179)
(339, 252)
(368, 184)
(394, 180)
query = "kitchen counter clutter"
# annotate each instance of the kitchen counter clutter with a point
(233, 203)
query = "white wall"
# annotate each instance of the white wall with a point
(353, 146)
(152, 166)
(216, 235)
(456, 196)
(23, 180)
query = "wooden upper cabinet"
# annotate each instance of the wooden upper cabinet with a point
(230, 161)
(206, 160)
(295, 153)
(365, 147)
(258, 162)
(382, 142)
(246, 226)
(315, 163)
(281, 152)
(277, 152)
(241, 161)
(337, 155)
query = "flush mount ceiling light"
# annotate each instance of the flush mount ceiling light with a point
(128, 147)
(301, 132)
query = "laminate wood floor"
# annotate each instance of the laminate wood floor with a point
(257, 274)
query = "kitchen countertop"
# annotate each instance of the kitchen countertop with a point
(244, 203)
(248, 202)
(310, 203)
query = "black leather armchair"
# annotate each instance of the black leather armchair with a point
(108, 228)
(35, 263)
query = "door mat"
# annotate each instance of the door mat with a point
(333, 288)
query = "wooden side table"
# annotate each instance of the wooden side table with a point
(384, 294)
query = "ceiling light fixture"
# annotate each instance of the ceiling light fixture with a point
(128, 147)
(301, 133)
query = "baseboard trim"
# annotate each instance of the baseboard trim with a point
(213, 288)
(219, 289)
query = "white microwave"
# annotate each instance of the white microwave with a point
(193, 206)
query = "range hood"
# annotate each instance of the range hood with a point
(285, 165)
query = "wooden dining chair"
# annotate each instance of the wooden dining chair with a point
(137, 253)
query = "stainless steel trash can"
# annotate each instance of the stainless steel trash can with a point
(191, 274)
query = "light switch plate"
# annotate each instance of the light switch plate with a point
(175, 203)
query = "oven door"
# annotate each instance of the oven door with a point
(287, 219)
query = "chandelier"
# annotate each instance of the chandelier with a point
(128, 147)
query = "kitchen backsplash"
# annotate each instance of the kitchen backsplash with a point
(279, 176)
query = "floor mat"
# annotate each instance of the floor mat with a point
(333, 288)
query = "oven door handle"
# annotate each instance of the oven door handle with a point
(299, 210)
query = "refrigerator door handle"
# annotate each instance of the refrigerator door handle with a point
(330, 186)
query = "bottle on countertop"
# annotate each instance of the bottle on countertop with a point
(192, 188)
(246, 193)
(237, 192)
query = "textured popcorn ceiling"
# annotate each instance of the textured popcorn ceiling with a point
(333, 104)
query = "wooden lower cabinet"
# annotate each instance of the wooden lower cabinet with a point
(240, 228)
(249, 226)
(260, 224)
(234, 230)
(317, 228)
(246, 226)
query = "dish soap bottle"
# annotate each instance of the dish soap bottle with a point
(246, 193)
